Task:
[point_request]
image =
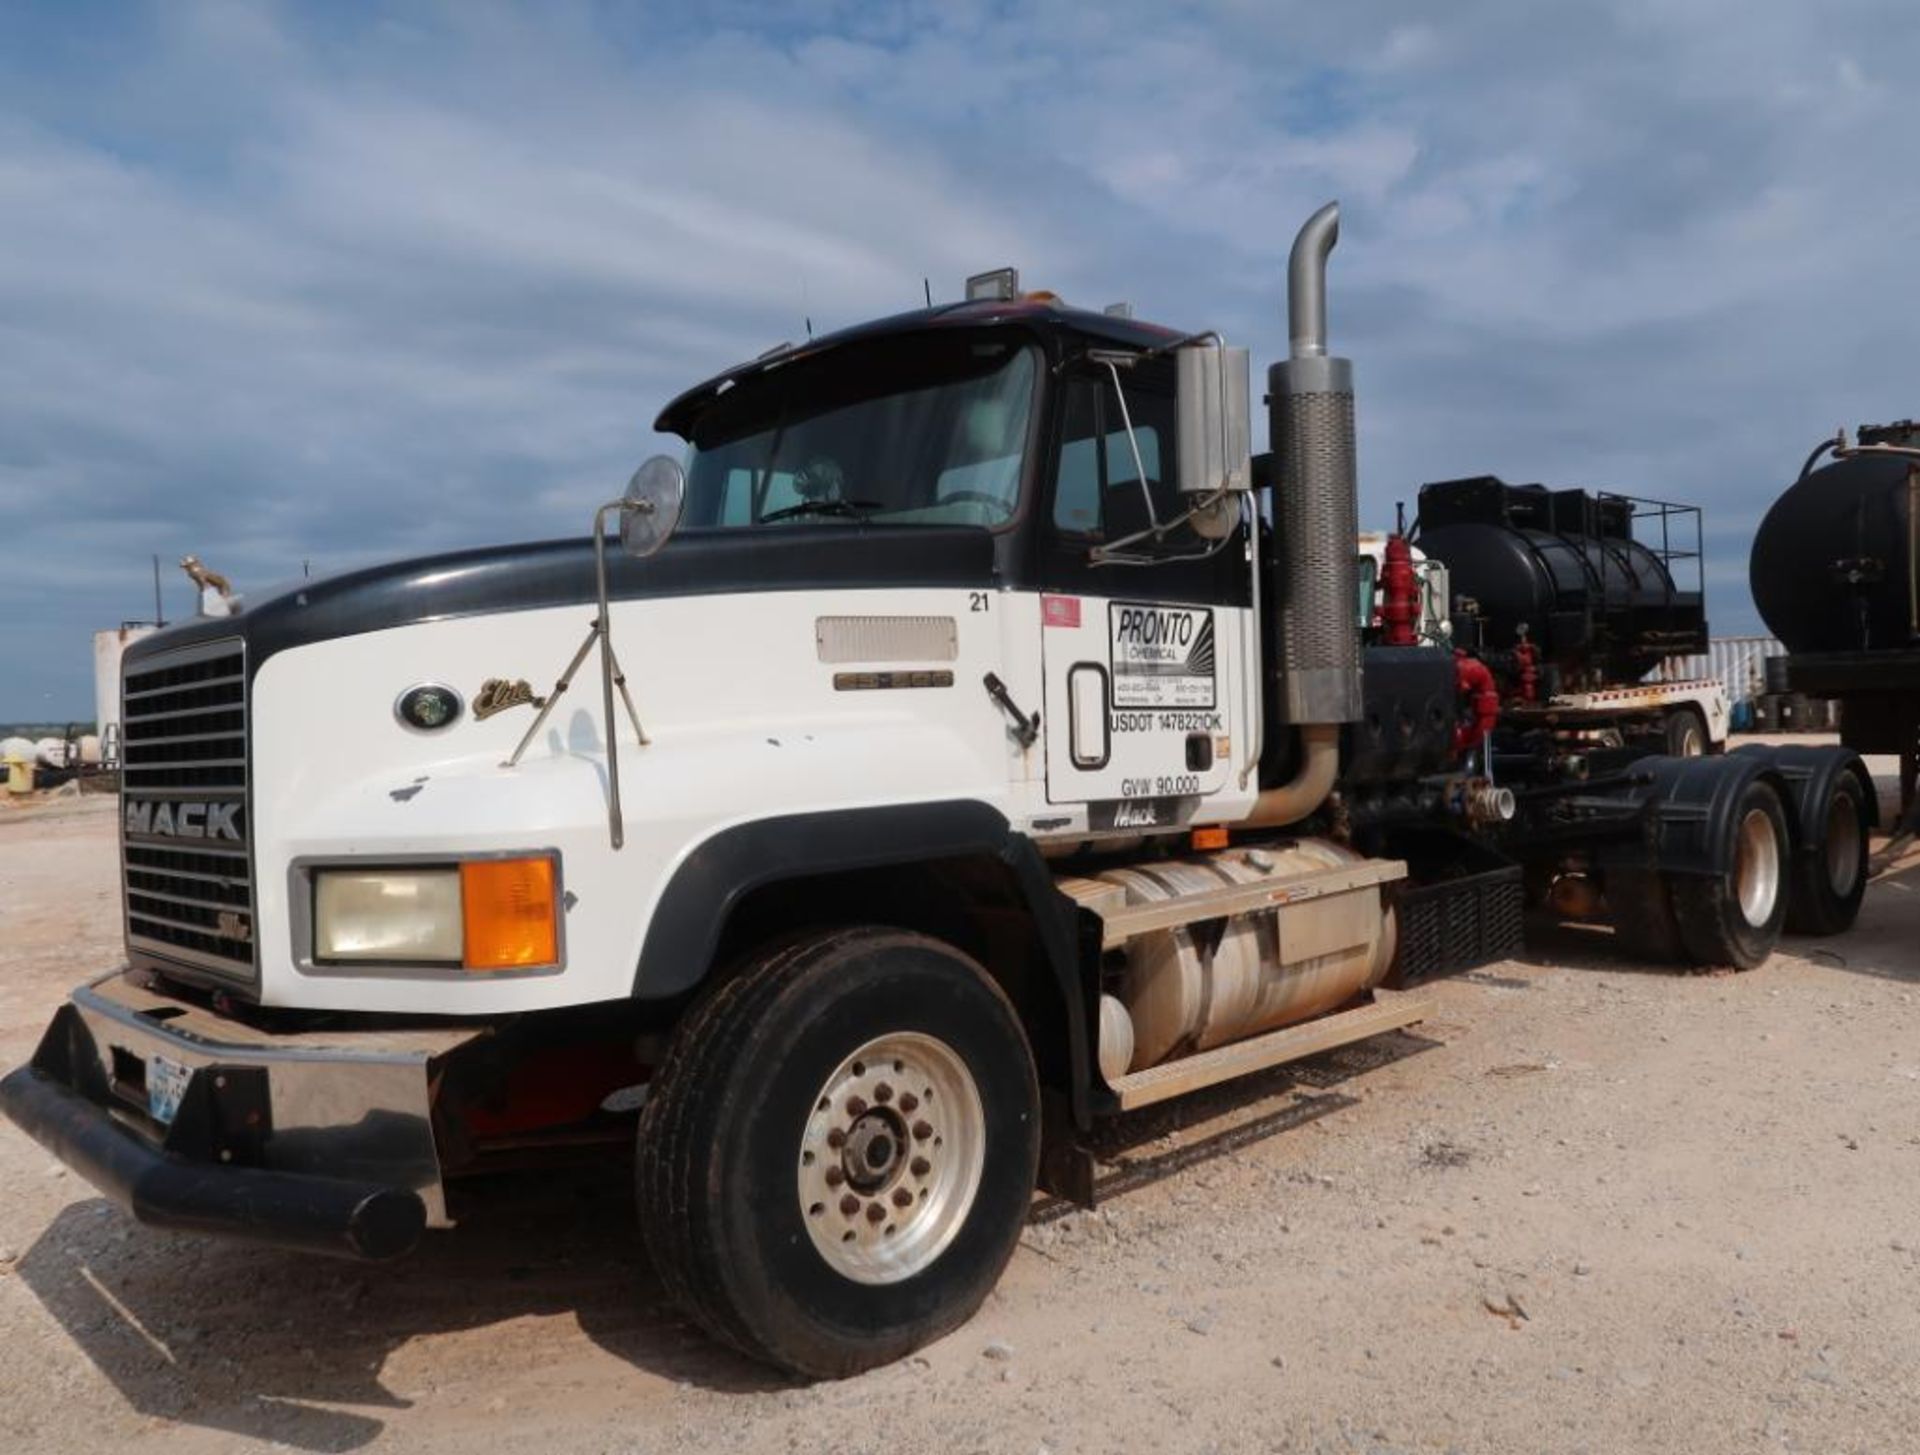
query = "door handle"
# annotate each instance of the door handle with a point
(1026, 730)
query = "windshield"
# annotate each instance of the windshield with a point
(927, 430)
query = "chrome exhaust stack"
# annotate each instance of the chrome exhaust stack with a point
(1316, 500)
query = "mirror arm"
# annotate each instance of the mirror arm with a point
(611, 676)
(601, 625)
(1186, 341)
(1115, 554)
(611, 673)
(1139, 467)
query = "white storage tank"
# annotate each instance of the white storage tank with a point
(108, 648)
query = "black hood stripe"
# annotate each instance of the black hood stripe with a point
(560, 573)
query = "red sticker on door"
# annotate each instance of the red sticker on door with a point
(1060, 611)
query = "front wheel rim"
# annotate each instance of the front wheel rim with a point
(1756, 867)
(891, 1158)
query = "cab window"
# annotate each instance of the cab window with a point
(1097, 488)
(928, 429)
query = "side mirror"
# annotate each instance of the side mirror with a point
(650, 509)
(1215, 443)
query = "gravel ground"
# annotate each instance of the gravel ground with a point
(1585, 1207)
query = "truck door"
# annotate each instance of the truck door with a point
(1142, 660)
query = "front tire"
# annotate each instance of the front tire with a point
(1735, 918)
(837, 1157)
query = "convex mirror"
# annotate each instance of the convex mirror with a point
(650, 510)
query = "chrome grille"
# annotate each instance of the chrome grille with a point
(186, 864)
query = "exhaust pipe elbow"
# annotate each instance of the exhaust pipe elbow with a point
(1308, 788)
(1307, 282)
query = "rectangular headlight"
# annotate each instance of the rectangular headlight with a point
(387, 914)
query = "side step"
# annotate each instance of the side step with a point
(1390, 1010)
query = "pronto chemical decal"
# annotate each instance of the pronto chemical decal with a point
(1162, 655)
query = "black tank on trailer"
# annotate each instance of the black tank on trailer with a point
(1601, 605)
(1836, 561)
(1835, 572)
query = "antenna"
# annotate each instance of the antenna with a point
(926, 286)
(159, 616)
(806, 308)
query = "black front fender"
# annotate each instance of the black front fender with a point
(712, 881)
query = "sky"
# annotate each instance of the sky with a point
(303, 287)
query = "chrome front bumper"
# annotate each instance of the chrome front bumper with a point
(323, 1140)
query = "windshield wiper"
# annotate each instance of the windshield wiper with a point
(857, 509)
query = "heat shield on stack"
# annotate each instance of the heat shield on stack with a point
(1316, 510)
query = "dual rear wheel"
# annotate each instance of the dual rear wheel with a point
(1732, 918)
(1829, 878)
(1774, 881)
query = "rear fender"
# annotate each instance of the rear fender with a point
(1806, 773)
(1687, 807)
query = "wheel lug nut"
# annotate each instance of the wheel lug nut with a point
(901, 1197)
(856, 1106)
(883, 1092)
(836, 1139)
(835, 1177)
(922, 1130)
(849, 1205)
(909, 1102)
(875, 1212)
(921, 1167)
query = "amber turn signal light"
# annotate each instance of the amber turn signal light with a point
(510, 914)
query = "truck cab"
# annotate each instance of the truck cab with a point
(939, 560)
(1115, 629)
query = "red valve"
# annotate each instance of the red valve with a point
(1474, 682)
(1400, 595)
(1526, 656)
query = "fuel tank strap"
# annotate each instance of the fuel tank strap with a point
(1123, 924)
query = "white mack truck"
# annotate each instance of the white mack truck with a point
(992, 746)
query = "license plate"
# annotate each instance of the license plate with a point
(166, 1084)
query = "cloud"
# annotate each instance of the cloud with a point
(287, 285)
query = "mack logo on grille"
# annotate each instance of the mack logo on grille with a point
(185, 820)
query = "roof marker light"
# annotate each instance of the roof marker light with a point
(999, 286)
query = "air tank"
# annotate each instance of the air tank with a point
(1836, 562)
(1599, 604)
